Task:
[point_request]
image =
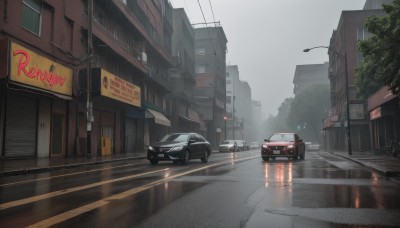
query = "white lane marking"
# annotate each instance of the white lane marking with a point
(80, 210)
(69, 190)
(70, 174)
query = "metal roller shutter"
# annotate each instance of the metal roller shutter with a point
(20, 133)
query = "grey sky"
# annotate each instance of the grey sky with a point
(266, 38)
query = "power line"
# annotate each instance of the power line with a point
(208, 30)
(212, 11)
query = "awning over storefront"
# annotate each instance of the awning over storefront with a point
(380, 97)
(331, 122)
(159, 118)
(65, 97)
(188, 119)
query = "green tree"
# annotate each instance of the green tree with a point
(307, 111)
(381, 52)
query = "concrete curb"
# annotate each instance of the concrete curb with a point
(386, 173)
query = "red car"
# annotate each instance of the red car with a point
(288, 145)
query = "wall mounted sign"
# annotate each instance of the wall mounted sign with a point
(29, 68)
(119, 89)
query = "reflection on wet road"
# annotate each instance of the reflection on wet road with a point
(232, 190)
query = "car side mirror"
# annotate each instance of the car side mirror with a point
(192, 141)
(266, 140)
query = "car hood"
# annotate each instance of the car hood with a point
(168, 144)
(279, 143)
(226, 145)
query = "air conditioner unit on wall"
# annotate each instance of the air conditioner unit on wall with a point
(144, 57)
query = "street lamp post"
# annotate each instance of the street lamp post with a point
(225, 118)
(233, 116)
(346, 92)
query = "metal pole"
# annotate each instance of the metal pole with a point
(213, 120)
(233, 114)
(89, 106)
(347, 107)
(242, 128)
(225, 118)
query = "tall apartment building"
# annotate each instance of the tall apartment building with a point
(375, 4)
(232, 84)
(238, 106)
(310, 74)
(45, 67)
(210, 56)
(343, 47)
(184, 114)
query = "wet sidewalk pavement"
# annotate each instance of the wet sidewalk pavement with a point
(26, 166)
(389, 167)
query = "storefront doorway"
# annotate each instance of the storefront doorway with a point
(58, 135)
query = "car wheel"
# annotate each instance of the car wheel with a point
(153, 162)
(186, 157)
(204, 159)
(265, 158)
(296, 155)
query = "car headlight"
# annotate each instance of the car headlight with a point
(290, 146)
(151, 148)
(174, 149)
(265, 146)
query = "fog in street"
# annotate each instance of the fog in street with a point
(266, 38)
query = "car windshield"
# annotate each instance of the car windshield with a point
(239, 142)
(282, 138)
(175, 138)
(228, 142)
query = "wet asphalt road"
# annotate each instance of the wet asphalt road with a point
(231, 190)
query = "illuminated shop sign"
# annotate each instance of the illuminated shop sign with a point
(30, 68)
(376, 113)
(119, 89)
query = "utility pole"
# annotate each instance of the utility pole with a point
(89, 104)
(233, 115)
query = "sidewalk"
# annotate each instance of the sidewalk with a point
(25, 166)
(388, 167)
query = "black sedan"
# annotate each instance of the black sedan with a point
(179, 147)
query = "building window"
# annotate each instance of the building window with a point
(362, 33)
(31, 15)
(200, 51)
(228, 82)
(100, 18)
(201, 69)
(227, 74)
(228, 99)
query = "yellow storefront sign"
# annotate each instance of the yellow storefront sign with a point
(119, 89)
(30, 68)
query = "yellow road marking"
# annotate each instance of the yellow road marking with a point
(70, 174)
(69, 190)
(80, 210)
